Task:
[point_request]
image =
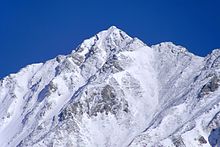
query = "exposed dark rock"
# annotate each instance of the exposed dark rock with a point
(216, 62)
(77, 59)
(178, 142)
(60, 58)
(215, 122)
(108, 92)
(202, 140)
(103, 101)
(117, 67)
(70, 111)
(211, 86)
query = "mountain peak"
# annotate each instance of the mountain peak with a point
(111, 38)
(113, 31)
(113, 28)
(114, 91)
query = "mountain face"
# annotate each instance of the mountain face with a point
(114, 91)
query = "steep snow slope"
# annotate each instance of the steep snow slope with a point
(113, 90)
(191, 109)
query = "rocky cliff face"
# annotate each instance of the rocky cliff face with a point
(114, 90)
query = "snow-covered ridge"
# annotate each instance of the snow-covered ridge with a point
(114, 90)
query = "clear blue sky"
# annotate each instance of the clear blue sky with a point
(36, 30)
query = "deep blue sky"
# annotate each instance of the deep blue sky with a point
(36, 30)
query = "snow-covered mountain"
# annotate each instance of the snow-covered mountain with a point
(114, 91)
